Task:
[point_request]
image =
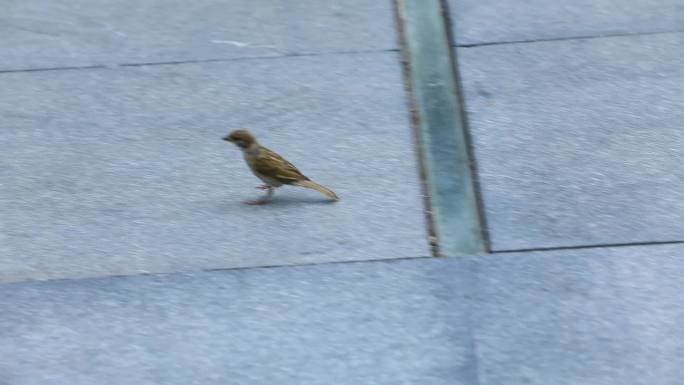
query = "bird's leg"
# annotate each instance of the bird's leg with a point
(263, 187)
(264, 200)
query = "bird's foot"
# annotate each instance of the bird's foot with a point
(263, 187)
(258, 202)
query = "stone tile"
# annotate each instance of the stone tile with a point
(45, 33)
(382, 323)
(478, 21)
(600, 316)
(122, 171)
(579, 142)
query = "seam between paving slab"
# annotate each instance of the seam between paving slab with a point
(193, 61)
(218, 269)
(311, 264)
(591, 246)
(455, 210)
(568, 38)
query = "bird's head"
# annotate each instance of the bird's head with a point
(241, 138)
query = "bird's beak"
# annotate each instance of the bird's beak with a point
(227, 139)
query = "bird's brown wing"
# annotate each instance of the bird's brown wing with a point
(270, 164)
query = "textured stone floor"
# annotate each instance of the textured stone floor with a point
(126, 255)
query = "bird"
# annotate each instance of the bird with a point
(271, 168)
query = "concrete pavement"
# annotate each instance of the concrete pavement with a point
(116, 190)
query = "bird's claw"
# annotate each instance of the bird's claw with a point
(263, 187)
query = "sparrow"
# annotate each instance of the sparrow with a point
(271, 168)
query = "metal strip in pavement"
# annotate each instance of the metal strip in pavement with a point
(443, 139)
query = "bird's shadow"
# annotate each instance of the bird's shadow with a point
(282, 201)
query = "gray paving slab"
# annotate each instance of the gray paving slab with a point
(579, 142)
(364, 323)
(592, 316)
(600, 317)
(490, 21)
(45, 33)
(120, 171)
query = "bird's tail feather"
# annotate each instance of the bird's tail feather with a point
(315, 186)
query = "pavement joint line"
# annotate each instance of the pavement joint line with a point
(438, 116)
(568, 38)
(581, 247)
(45, 69)
(311, 264)
(287, 55)
(221, 269)
(194, 61)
